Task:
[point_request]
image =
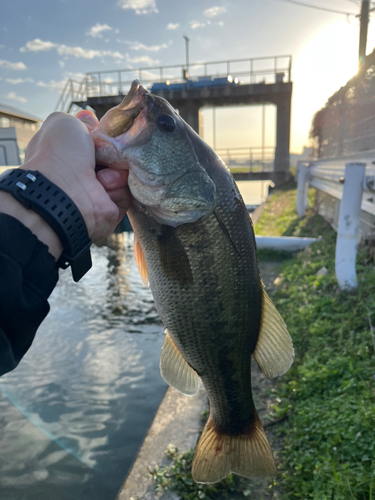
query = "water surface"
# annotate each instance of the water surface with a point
(75, 411)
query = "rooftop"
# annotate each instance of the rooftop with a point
(9, 110)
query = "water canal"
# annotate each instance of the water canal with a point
(75, 411)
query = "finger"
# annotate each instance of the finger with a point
(111, 178)
(121, 215)
(121, 197)
(88, 118)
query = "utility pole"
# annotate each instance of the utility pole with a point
(187, 40)
(364, 16)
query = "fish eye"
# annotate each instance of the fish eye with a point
(166, 123)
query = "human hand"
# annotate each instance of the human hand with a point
(64, 152)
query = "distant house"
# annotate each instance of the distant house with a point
(24, 125)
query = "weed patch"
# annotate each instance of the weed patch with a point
(329, 393)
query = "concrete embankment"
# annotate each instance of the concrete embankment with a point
(176, 422)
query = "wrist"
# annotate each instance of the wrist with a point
(35, 191)
(69, 182)
(33, 221)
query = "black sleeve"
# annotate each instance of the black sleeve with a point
(28, 274)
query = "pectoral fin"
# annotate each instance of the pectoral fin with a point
(274, 351)
(140, 260)
(173, 259)
(176, 371)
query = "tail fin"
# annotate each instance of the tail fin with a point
(218, 455)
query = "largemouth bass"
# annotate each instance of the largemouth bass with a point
(194, 243)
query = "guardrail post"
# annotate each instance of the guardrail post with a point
(302, 188)
(349, 222)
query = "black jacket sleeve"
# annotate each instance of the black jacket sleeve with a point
(28, 274)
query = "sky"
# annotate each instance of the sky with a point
(43, 43)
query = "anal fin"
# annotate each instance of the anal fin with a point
(176, 371)
(218, 455)
(140, 261)
(274, 351)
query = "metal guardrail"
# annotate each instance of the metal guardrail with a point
(351, 184)
(114, 82)
(329, 176)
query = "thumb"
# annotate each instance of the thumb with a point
(88, 118)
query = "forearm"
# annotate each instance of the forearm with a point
(28, 275)
(33, 221)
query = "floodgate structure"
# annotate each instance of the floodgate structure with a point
(238, 82)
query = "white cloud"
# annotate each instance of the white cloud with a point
(16, 81)
(139, 6)
(214, 11)
(143, 60)
(2, 46)
(62, 64)
(142, 46)
(75, 76)
(52, 84)
(38, 45)
(15, 97)
(195, 24)
(172, 26)
(97, 30)
(220, 23)
(11, 65)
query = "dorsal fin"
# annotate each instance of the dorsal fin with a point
(140, 260)
(274, 351)
(175, 370)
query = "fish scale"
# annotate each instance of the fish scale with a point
(195, 321)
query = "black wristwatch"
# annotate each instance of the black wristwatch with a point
(36, 192)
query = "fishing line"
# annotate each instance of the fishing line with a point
(46, 433)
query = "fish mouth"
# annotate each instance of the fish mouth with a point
(117, 128)
(120, 119)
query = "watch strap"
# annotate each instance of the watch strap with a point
(34, 191)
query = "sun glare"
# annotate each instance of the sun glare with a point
(325, 63)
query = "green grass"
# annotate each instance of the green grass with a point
(280, 217)
(329, 393)
(177, 477)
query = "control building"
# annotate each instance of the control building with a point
(16, 130)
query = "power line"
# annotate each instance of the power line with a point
(318, 8)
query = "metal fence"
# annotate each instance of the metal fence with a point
(345, 127)
(251, 159)
(113, 82)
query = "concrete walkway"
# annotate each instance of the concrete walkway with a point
(176, 422)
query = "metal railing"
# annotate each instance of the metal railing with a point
(255, 70)
(346, 201)
(73, 91)
(329, 177)
(251, 159)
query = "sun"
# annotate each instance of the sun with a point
(323, 64)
